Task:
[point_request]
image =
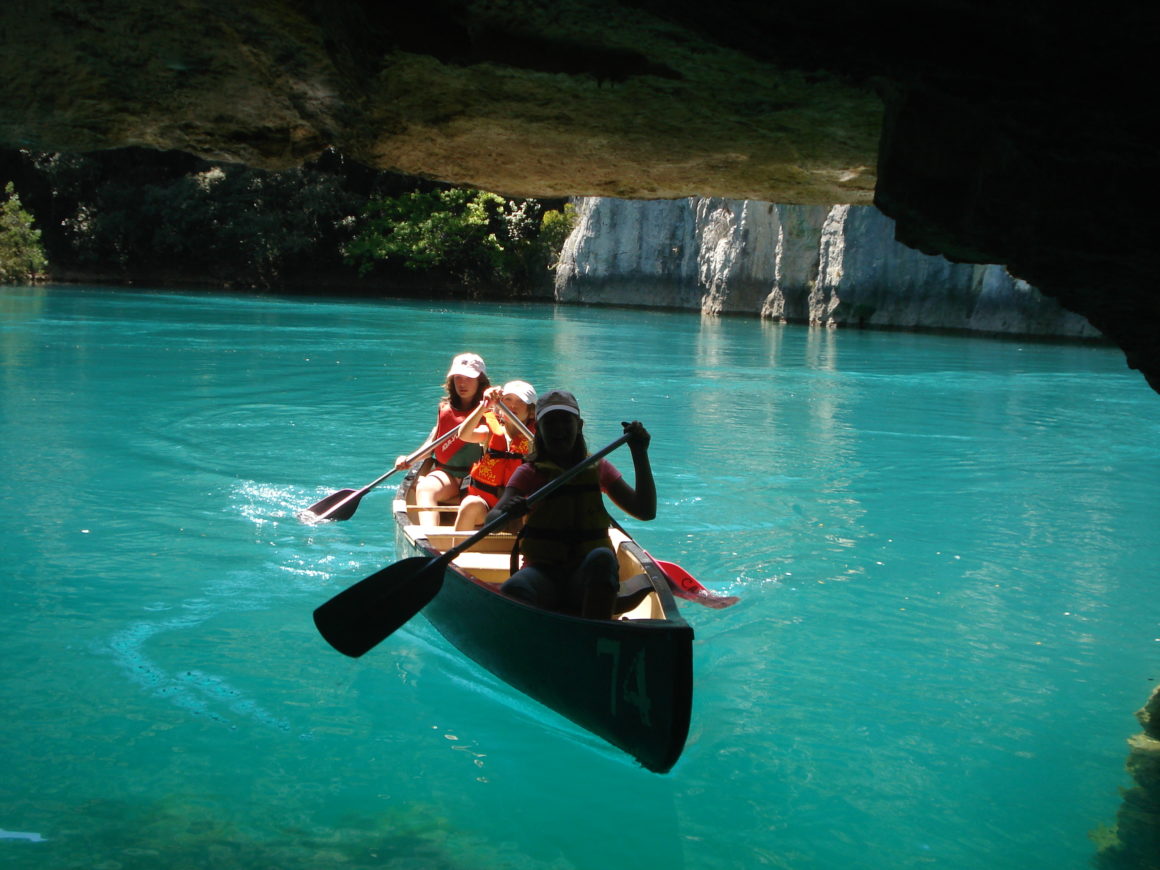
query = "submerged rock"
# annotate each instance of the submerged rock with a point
(1134, 843)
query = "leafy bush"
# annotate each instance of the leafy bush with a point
(21, 254)
(139, 215)
(231, 224)
(555, 227)
(481, 240)
(478, 238)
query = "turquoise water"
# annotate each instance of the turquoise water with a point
(944, 547)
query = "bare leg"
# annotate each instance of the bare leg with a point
(472, 511)
(430, 490)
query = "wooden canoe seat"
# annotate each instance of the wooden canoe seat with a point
(447, 512)
(445, 537)
(488, 567)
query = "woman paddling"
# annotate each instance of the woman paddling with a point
(466, 383)
(569, 564)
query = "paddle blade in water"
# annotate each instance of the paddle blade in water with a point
(361, 617)
(685, 585)
(315, 512)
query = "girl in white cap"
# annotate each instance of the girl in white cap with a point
(569, 564)
(466, 384)
(504, 447)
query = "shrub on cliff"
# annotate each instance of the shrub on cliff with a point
(21, 254)
(555, 227)
(443, 228)
(486, 243)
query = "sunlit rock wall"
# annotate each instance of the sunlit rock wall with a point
(631, 252)
(834, 266)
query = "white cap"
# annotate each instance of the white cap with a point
(469, 364)
(522, 390)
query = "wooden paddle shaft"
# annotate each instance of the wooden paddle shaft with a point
(359, 493)
(519, 424)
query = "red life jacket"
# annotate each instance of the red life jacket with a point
(454, 455)
(500, 459)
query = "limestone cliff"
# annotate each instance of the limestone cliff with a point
(833, 266)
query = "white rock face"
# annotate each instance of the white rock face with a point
(631, 252)
(737, 245)
(832, 266)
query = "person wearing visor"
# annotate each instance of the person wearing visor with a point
(568, 561)
(465, 385)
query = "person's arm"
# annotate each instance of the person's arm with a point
(641, 500)
(471, 422)
(470, 429)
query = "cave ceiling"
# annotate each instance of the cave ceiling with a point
(1019, 133)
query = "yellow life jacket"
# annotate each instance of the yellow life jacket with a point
(567, 524)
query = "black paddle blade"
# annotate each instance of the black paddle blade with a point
(358, 619)
(316, 510)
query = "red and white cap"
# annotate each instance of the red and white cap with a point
(469, 364)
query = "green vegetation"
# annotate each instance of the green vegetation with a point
(146, 216)
(555, 228)
(485, 242)
(21, 253)
(141, 216)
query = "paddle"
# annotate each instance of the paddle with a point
(685, 585)
(359, 618)
(341, 505)
(519, 424)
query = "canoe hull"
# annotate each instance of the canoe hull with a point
(629, 682)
